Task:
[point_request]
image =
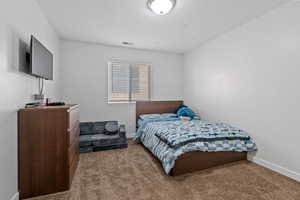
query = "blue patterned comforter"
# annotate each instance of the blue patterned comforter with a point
(178, 133)
(167, 155)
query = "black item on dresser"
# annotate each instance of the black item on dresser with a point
(55, 103)
(103, 135)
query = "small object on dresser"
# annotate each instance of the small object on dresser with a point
(55, 104)
(47, 101)
(32, 105)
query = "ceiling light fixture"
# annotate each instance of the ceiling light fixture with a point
(161, 7)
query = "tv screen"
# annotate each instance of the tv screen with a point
(41, 62)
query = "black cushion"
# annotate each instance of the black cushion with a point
(111, 128)
(122, 131)
(104, 127)
(103, 135)
(86, 128)
(86, 149)
(85, 140)
(98, 127)
(103, 139)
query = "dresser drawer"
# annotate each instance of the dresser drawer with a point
(73, 117)
(72, 170)
(73, 134)
(74, 150)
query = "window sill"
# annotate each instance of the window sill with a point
(121, 102)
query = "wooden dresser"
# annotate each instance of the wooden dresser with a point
(48, 147)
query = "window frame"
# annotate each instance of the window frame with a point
(109, 80)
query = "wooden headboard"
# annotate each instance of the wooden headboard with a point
(152, 107)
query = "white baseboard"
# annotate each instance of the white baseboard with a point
(281, 170)
(15, 196)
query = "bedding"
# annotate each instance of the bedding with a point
(146, 117)
(149, 116)
(155, 116)
(168, 115)
(148, 129)
(182, 132)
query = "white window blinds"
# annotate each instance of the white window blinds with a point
(128, 82)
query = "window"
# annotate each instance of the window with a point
(128, 82)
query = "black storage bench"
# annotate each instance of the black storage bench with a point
(99, 136)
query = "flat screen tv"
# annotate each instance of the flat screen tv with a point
(41, 60)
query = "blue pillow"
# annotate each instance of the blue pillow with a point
(185, 111)
(182, 106)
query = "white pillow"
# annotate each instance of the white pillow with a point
(168, 115)
(150, 116)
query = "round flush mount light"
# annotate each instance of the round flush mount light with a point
(161, 7)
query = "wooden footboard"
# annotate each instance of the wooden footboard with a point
(197, 160)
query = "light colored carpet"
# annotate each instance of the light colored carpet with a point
(133, 173)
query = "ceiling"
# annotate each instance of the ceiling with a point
(112, 22)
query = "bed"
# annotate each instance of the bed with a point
(189, 157)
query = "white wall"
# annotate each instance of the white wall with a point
(18, 20)
(250, 77)
(85, 79)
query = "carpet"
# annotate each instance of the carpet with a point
(134, 174)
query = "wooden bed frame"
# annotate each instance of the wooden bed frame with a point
(191, 161)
